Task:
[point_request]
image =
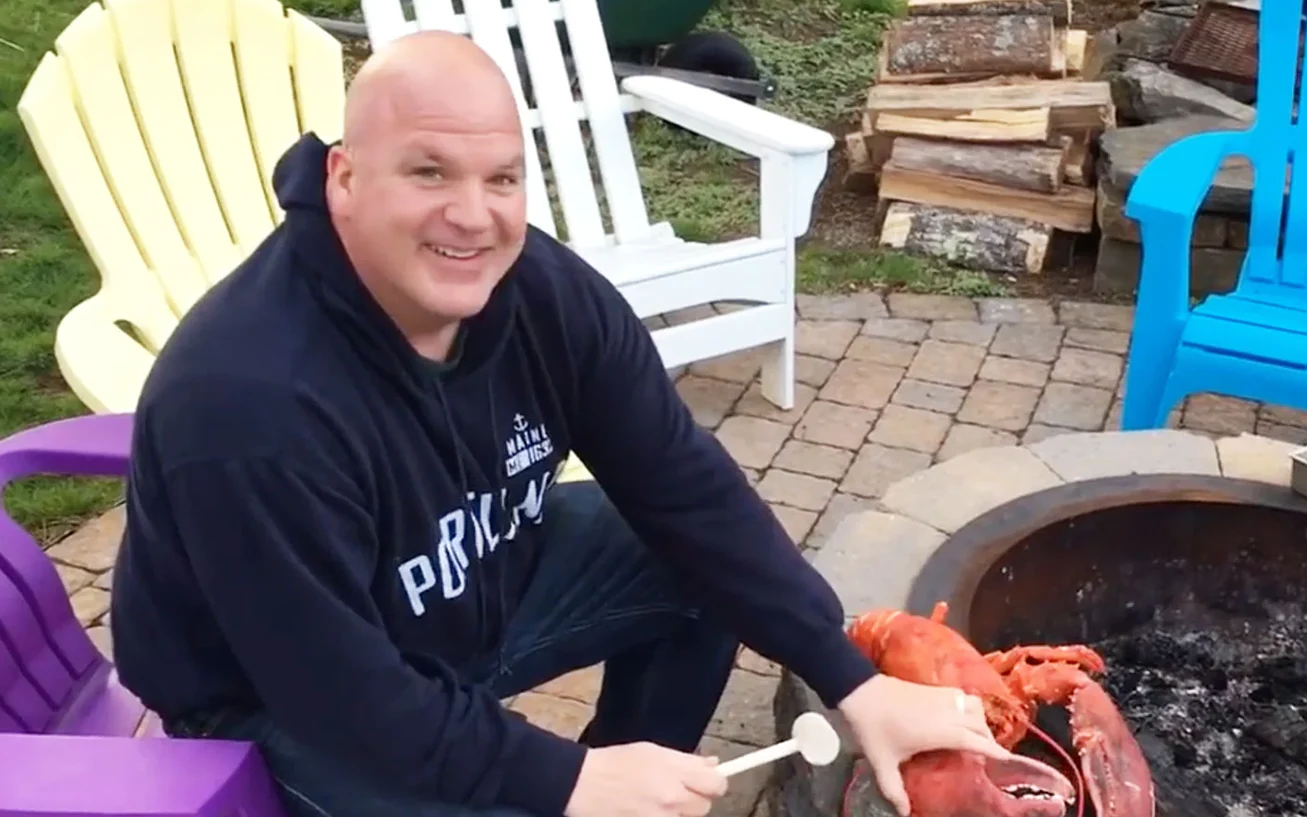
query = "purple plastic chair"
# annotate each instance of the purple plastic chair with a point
(73, 741)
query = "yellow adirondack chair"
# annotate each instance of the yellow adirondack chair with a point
(159, 124)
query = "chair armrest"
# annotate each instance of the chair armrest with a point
(91, 445)
(1173, 184)
(792, 154)
(103, 366)
(1165, 199)
(70, 774)
(748, 128)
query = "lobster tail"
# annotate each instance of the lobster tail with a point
(868, 632)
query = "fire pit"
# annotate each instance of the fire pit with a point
(1183, 560)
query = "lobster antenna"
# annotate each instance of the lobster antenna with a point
(1075, 770)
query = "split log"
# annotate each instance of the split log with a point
(1067, 58)
(1076, 46)
(886, 77)
(877, 145)
(1079, 158)
(999, 79)
(1058, 10)
(978, 240)
(1022, 125)
(951, 45)
(861, 175)
(1070, 209)
(1024, 167)
(1072, 104)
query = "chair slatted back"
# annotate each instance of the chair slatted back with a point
(159, 124)
(45, 657)
(565, 120)
(1276, 265)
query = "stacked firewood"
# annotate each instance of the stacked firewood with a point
(978, 135)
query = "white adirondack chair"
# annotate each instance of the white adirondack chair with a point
(655, 270)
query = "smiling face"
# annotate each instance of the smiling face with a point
(427, 188)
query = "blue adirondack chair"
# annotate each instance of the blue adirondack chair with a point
(1252, 341)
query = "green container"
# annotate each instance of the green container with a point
(650, 23)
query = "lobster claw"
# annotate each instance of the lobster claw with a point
(1115, 771)
(1029, 788)
(965, 784)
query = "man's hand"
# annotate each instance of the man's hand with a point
(894, 720)
(645, 780)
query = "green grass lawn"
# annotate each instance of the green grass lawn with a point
(43, 273)
(821, 52)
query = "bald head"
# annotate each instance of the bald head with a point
(427, 189)
(428, 75)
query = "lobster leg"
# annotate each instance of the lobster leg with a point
(1084, 657)
(1112, 764)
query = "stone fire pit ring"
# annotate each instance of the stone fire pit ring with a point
(971, 509)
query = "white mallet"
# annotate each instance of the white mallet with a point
(813, 737)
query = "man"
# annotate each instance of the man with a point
(344, 537)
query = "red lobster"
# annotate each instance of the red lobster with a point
(951, 784)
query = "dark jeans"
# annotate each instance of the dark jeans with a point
(598, 596)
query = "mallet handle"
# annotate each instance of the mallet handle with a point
(759, 757)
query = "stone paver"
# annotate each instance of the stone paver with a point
(835, 424)
(905, 329)
(861, 383)
(932, 396)
(795, 490)
(953, 364)
(1014, 370)
(1028, 341)
(888, 386)
(812, 371)
(709, 399)
(882, 350)
(1088, 367)
(911, 428)
(1084, 456)
(1103, 340)
(826, 339)
(1001, 406)
(976, 334)
(814, 458)
(752, 441)
(931, 307)
(877, 467)
(963, 437)
(1015, 310)
(754, 404)
(1073, 406)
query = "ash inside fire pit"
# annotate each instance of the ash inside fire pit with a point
(1199, 609)
(1219, 698)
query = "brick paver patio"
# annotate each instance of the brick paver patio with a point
(889, 386)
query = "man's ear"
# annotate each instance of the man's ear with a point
(340, 171)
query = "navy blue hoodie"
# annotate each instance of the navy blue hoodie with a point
(300, 532)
